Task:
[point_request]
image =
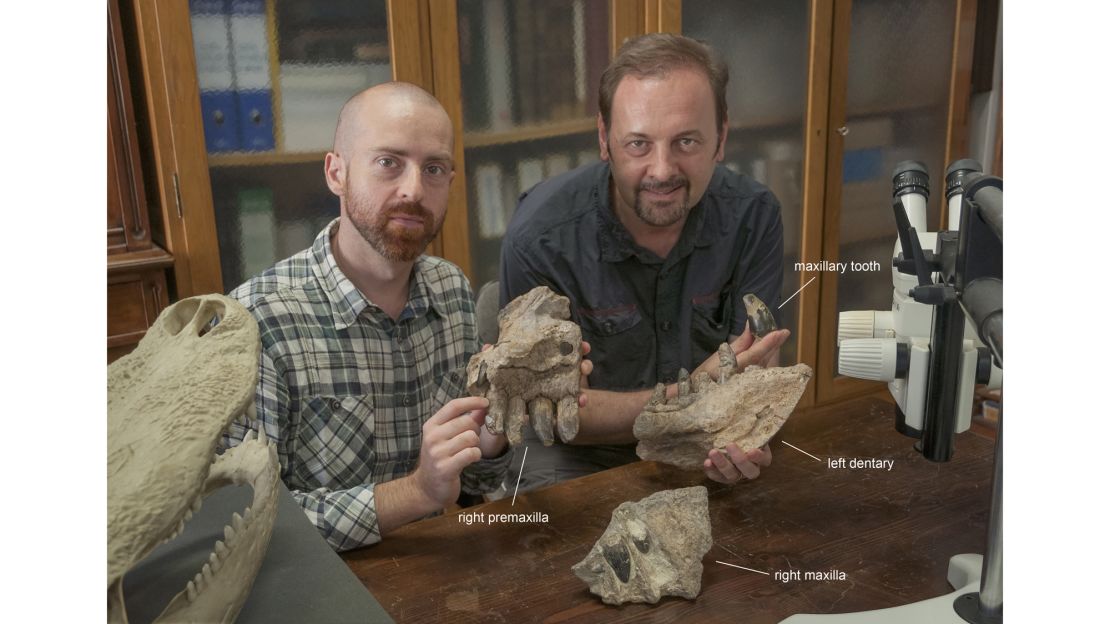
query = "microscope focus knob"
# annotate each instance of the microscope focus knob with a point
(875, 359)
(864, 324)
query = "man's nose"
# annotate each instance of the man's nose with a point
(663, 164)
(412, 185)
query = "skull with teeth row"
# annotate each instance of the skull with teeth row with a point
(533, 370)
(168, 403)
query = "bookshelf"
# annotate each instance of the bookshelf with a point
(533, 132)
(253, 159)
(519, 80)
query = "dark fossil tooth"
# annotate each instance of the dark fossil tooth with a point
(760, 319)
(619, 559)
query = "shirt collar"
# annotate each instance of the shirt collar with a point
(349, 303)
(616, 243)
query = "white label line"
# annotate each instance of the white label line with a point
(743, 568)
(796, 293)
(522, 460)
(784, 442)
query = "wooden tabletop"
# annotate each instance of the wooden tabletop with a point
(890, 532)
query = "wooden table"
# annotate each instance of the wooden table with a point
(891, 533)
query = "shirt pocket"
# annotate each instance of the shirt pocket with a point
(335, 441)
(451, 386)
(619, 343)
(710, 323)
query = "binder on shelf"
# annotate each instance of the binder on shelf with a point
(529, 172)
(557, 163)
(215, 75)
(528, 77)
(250, 53)
(498, 68)
(588, 156)
(472, 57)
(492, 219)
(555, 61)
(256, 227)
(597, 50)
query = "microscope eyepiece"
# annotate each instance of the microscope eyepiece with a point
(957, 173)
(911, 176)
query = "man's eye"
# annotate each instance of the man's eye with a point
(436, 170)
(387, 162)
(687, 142)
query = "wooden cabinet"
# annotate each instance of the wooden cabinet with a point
(137, 290)
(825, 93)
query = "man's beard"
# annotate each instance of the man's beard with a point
(394, 241)
(663, 214)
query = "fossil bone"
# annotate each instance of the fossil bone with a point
(746, 408)
(533, 370)
(760, 319)
(651, 548)
(168, 403)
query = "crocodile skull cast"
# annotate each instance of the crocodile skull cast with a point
(168, 403)
(533, 370)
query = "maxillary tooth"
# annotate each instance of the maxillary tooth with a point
(229, 535)
(247, 514)
(188, 515)
(237, 521)
(214, 562)
(683, 382)
(206, 572)
(196, 505)
(221, 549)
(191, 591)
(198, 580)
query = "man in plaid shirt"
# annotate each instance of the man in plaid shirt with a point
(365, 340)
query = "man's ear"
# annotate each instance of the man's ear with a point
(335, 173)
(721, 143)
(602, 138)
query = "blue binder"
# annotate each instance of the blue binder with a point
(250, 54)
(212, 47)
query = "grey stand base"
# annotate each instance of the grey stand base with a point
(963, 574)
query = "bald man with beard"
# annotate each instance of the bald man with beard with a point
(365, 340)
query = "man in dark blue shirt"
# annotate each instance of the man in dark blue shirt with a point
(654, 246)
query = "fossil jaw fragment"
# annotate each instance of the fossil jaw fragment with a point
(747, 408)
(651, 548)
(168, 403)
(533, 370)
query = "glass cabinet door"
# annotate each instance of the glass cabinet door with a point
(896, 108)
(530, 73)
(766, 44)
(273, 75)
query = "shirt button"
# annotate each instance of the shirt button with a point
(406, 400)
(608, 326)
(666, 326)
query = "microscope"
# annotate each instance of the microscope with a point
(941, 337)
(919, 347)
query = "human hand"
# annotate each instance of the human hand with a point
(748, 350)
(734, 465)
(451, 443)
(586, 367)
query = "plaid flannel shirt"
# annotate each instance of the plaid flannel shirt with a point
(344, 390)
